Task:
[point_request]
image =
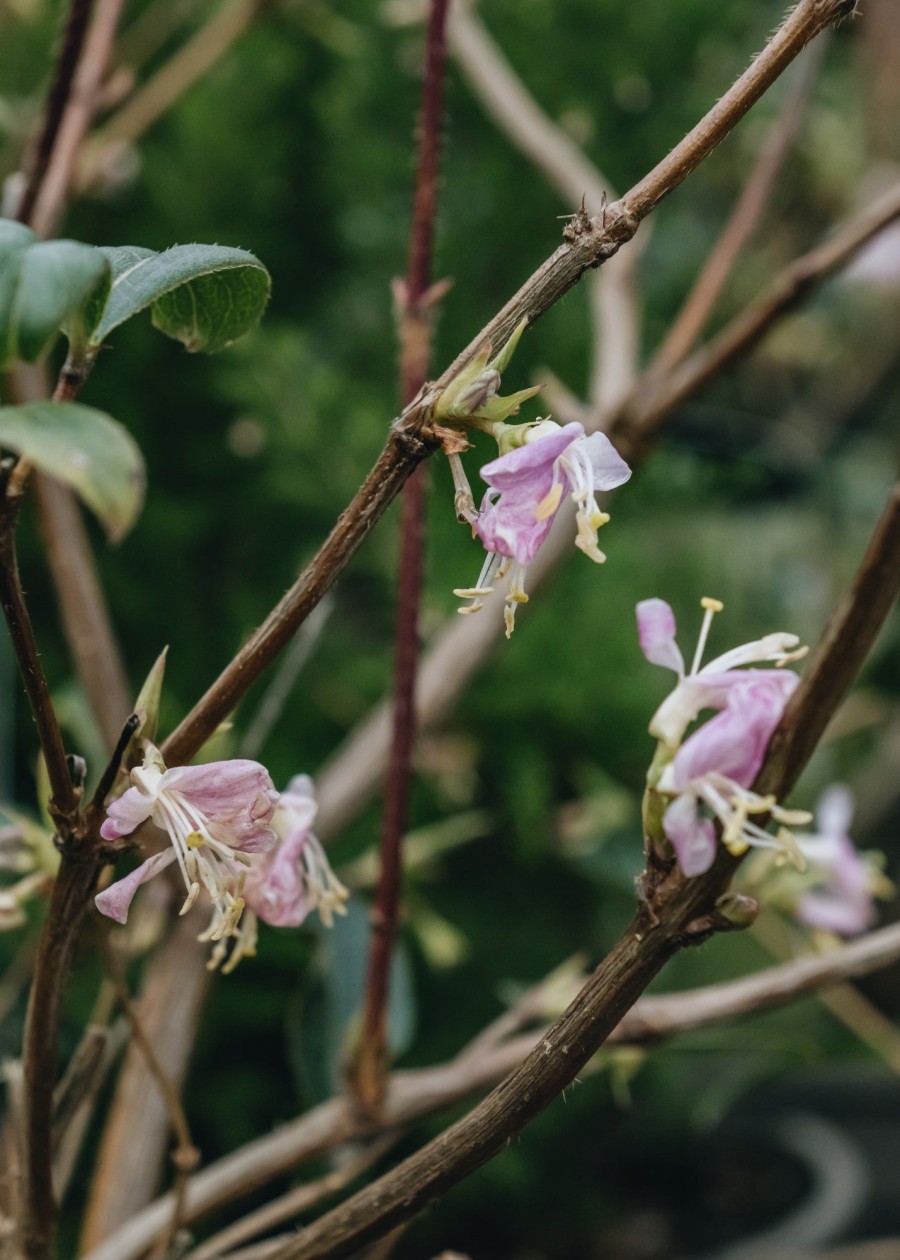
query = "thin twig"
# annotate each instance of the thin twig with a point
(299, 1199)
(130, 1160)
(745, 217)
(368, 1071)
(57, 102)
(108, 777)
(80, 110)
(589, 242)
(185, 1157)
(64, 798)
(509, 103)
(420, 1092)
(185, 68)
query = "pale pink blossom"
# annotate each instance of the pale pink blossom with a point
(709, 775)
(526, 489)
(842, 899)
(215, 815)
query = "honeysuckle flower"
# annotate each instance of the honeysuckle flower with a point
(841, 899)
(216, 815)
(526, 487)
(707, 686)
(283, 885)
(709, 775)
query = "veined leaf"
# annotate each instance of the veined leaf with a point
(205, 296)
(85, 449)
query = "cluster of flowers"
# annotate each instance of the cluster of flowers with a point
(706, 776)
(251, 848)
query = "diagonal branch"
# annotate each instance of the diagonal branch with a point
(422, 1091)
(589, 243)
(349, 778)
(681, 912)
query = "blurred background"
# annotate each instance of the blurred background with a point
(297, 145)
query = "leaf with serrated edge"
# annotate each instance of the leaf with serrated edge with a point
(86, 450)
(205, 296)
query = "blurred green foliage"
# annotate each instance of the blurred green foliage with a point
(297, 146)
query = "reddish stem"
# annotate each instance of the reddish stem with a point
(371, 1066)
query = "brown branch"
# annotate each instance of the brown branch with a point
(72, 888)
(348, 779)
(509, 103)
(57, 101)
(64, 800)
(56, 179)
(368, 1071)
(590, 242)
(421, 1092)
(300, 1199)
(677, 912)
(655, 396)
(185, 1157)
(742, 223)
(130, 1160)
(185, 68)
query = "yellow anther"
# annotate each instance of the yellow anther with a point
(194, 840)
(710, 604)
(549, 503)
(599, 519)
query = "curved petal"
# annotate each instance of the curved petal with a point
(531, 462)
(297, 806)
(274, 888)
(116, 900)
(834, 811)
(126, 813)
(656, 634)
(510, 527)
(734, 742)
(829, 911)
(610, 469)
(237, 798)
(692, 838)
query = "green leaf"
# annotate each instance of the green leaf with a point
(85, 449)
(42, 284)
(205, 296)
(147, 703)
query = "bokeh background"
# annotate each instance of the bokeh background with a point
(297, 145)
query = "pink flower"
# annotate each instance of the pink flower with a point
(713, 769)
(214, 814)
(526, 488)
(842, 901)
(285, 884)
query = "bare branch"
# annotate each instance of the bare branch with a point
(348, 779)
(748, 211)
(57, 101)
(590, 242)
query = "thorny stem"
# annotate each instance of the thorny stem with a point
(57, 102)
(368, 1074)
(589, 242)
(676, 912)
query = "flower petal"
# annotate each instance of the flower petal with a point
(692, 838)
(237, 797)
(126, 814)
(656, 634)
(834, 811)
(610, 469)
(734, 742)
(116, 900)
